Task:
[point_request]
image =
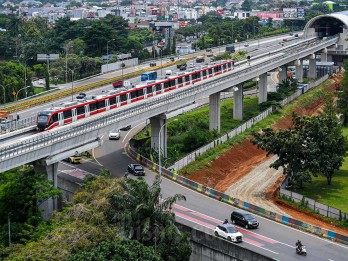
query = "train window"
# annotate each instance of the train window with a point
(180, 80)
(92, 107)
(101, 104)
(123, 97)
(149, 89)
(224, 66)
(112, 100)
(67, 114)
(229, 64)
(194, 76)
(133, 94)
(210, 71)
(172, 83)
(187, 78)
(140, 92)
(166, 85)
(80, 110)
(54, 118)
(218, 68)
(204, 73)
(158, 87)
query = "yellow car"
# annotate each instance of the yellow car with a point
(76, 159)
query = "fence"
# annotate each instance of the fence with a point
(312, 204)
(193, 155)
(210, 192)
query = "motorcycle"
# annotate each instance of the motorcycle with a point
(301, 251)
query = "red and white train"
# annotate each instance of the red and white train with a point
(73, 111)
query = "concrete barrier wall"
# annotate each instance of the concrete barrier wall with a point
(207, 247)
(210, 192)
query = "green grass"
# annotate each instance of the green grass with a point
(336, 194)
(38, 90)
(204, 160)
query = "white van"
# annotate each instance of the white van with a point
(168, 72)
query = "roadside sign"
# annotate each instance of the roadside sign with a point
(14, 93)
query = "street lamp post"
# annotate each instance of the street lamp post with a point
(4, 88)
(107, 54)
(72, 84)
(25, 74)
(17, 99)
(159, 151)
(160, 46)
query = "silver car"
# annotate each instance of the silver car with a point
(114, 135)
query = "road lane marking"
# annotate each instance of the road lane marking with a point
(217, 221)
(269, 220)
(209, 226)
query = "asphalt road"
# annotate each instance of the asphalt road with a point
(252, 45)
(201, 212)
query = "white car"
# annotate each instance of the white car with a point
(228, 232)
(114, 135)
(191, 65)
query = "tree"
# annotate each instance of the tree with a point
(21, 192)
(246, 5)
(125, 249)
(342, 102)
(313, 145)
(329, 145)
(144, 217)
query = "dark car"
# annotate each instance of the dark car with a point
(81, 96)
(296, 35)
(172, 59)
(183, 67)
(136, 169)
(127, 128)
(152, 64)
(244, 219)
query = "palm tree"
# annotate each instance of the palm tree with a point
(140, 212)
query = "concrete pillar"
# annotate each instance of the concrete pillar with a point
(323, 55)
(262, 88)
(214, 112)
(51, 171)
(282, 74)
(299, 70)
(312, 73)
(156, 125)
(238, 102)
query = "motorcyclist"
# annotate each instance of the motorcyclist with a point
(226, 221)
(299, 245)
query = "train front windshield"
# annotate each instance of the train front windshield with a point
(42, 118)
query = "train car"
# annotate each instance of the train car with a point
(69, 112)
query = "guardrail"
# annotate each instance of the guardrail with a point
(32, 102)
(60, 94)
(218, 195)
(17, 124)
(208, 87)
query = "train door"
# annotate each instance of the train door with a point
(73, 115)
(129, 98)
(60, 119)
(145, 93)
(107, 104)
(162, 88)
(87, 110)
(118, 102)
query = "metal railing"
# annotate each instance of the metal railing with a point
(212, 85)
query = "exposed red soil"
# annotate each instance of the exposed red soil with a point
(243, 157)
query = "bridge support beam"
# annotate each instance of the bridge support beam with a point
(51, 171)
(299, 70)
(282, 74)
(238, 102)
(214, 112)
(158, 136)
(312, 73)
(262, 88)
